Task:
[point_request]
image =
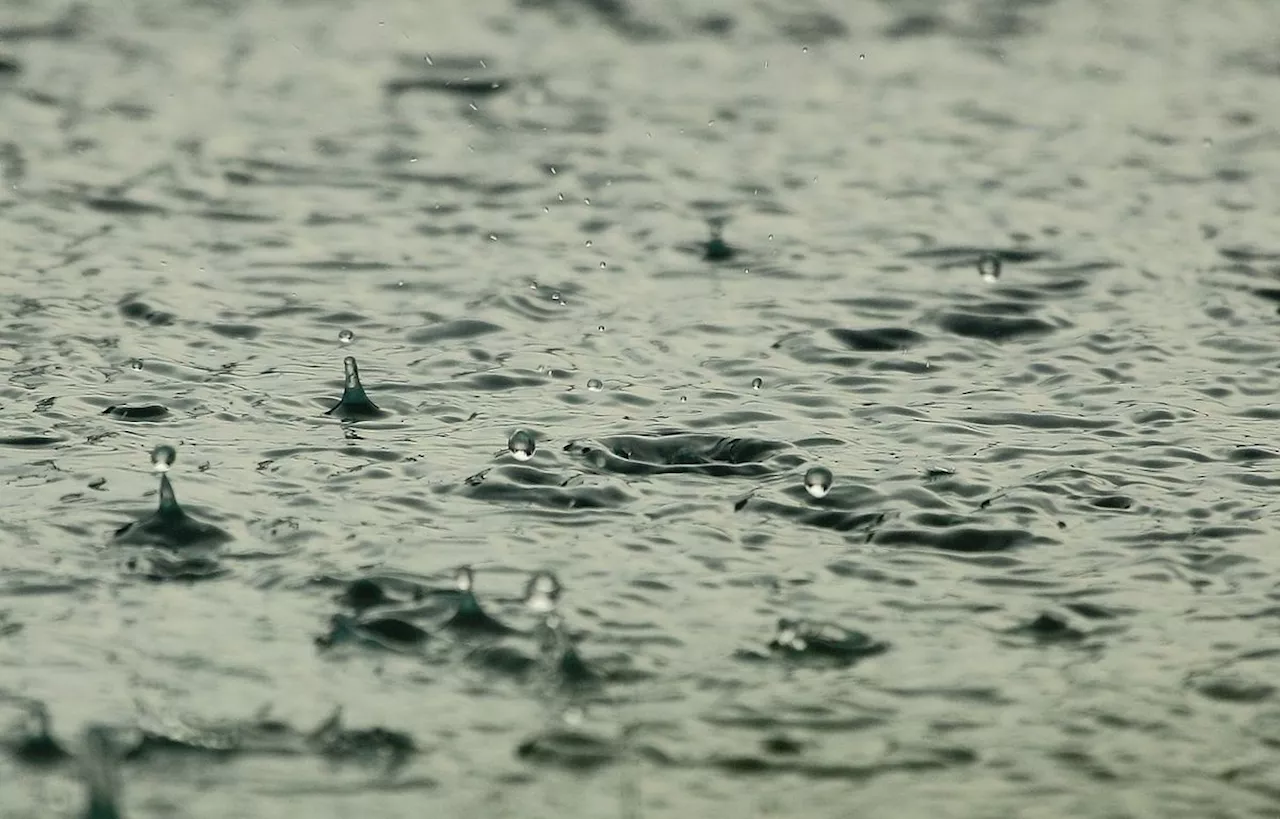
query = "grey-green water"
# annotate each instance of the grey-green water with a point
(1052, 499)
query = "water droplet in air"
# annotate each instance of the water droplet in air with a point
(600, 328)
(595, 385)
(346, 336)
(757, 383)
(817, 481)
(683, 399)
(603, 265)
(464, 578)
(989, 267)
(542, 592)
(588, 243)
(522, 445)
(136, 364)
(162, 457)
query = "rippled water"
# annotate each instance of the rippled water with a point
(696, 250)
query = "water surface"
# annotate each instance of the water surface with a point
(696, 249)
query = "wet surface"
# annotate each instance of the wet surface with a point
(890, 385)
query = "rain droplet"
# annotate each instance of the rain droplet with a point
(542, 592)
(346, 336)
(989, 267)
(600, 328)
(817, 481)
(588, 243)
(683, 399)
(464, 578)
(136, 364)
(162, 457)
(522, 445)
(595, 385)
(757, 383)
(603, 265)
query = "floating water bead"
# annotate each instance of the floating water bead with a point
(542, 592)
(346, 336)
(989, 267)
(817, 481)
(162, 457)
(522, 445)
(464, 578)
(595, 385)
(757, 383)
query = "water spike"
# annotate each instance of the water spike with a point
(355, 402)
(716, 248)
(168, 500)
(470, 615)
(101, 772)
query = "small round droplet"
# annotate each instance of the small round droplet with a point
(346, 336)
(757, 383)
(162, 457)
(989, 267)
(595, 385)
(522, 445)
(135, 364)
(817, 481)
(464, 578)
(542, 592)
(600, 328)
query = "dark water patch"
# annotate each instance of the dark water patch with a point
(509, 484)
(390, 633)
(236, 331)
(69, 25)
(121, 206)
(465, 86)
(135, 310)
(572, 749)
(1047, 628)
(680, 452)
(955, 537)
(819, 644)
(159, 566)
(456, 330)
(863, 519)
(993, 327)
(881, 340)
(30, 441)
(1038, 420)
(618, 15)
(948, 256)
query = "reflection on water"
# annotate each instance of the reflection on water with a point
(777, 408)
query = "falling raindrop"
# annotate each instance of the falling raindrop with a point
(162, 457)
(522, 445)
(136, 364)
(346, 336)
(757, 383)
(595, 385)
(989, 267)
(600, 328)
(817, 481)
